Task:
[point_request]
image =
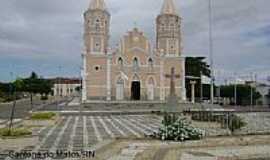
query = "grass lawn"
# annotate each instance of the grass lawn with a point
(15, 132)
(42, 116)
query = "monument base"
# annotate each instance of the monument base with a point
(173, 105)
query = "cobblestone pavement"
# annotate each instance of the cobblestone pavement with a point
(76, 133)
(256, 123)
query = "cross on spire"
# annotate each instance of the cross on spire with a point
(168, 7)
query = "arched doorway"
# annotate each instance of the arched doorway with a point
(150, 89)
(135, 88)
(120, 89)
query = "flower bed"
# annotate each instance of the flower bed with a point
(178, 129)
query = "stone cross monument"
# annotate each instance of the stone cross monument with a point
(172, 99)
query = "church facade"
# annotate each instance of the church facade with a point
(134, 70)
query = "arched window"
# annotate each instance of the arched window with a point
(135, 63)
(150, 62)
(120, 61)
(151, 81)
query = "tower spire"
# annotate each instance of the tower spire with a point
(168, 7)
(97, 4)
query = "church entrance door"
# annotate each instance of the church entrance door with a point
(135, 90)
(120, 90)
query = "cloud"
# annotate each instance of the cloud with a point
(42, 35)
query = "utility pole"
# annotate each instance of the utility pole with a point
(219, 93)
(13, 107)
(211, 52)
(251, 89)
(59, 89)
(255, 86)
(235, 90)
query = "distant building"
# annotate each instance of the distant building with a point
(264, 90)
(66, 86)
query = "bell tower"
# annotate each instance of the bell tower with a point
(97, 28)
(96, 59)
(168, 30)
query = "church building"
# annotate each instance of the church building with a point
(135, 70)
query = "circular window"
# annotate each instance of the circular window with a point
(97, 68)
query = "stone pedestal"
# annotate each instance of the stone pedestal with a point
(172, 104)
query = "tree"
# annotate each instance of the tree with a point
(31, 86)
(19, 84)
(5, 87)
(45, 87)
(78, 88)
(243, 93)
(1, 96)
(7, 90)
(195, 66)
(35, 85)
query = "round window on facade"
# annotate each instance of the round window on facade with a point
(97, 68)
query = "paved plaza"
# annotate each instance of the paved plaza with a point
(95, 127)
(76, 133)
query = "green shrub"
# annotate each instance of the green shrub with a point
(43, 116)
(236, 123)
(44, 98)
(178, 129)
(169, 119)
(207, 117)
(14, 132)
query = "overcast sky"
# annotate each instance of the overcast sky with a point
(41, 35)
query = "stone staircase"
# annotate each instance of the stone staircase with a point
(147, 106)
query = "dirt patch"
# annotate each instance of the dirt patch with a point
(17, 144)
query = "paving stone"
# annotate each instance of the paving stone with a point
(76, 133)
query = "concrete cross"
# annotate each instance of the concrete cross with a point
(172, 77)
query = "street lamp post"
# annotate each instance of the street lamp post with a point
(59, 89)
(251, 90)
(235, 90)
(211, 52)
(235, 94)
